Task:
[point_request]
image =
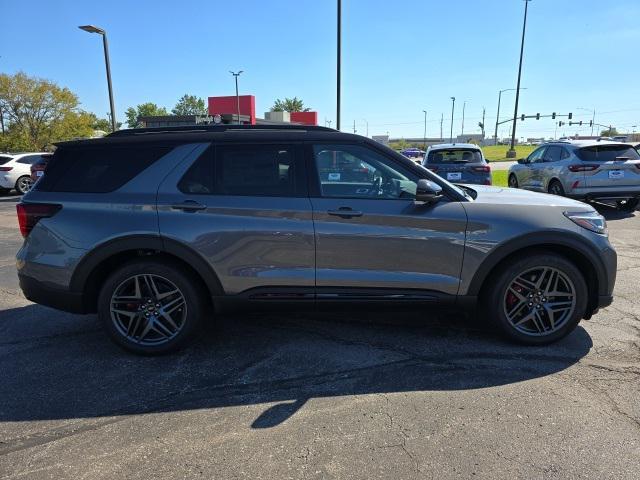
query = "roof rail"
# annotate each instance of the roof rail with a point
(215, 128)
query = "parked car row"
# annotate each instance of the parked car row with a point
(158, 227)
(16, 171)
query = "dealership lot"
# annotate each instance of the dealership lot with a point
(324, 395)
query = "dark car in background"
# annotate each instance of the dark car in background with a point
(39, 166)
(459, 163)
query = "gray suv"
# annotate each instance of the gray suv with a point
(156, 229)
(603, 171)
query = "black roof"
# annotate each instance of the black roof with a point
(208, 133)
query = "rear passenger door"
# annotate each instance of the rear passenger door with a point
(531, 176)
(551, 166)
(244, 208)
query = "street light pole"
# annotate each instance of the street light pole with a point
(425, 129)
(338, 66)
(105, 45)
(512, 152)
(367, 123)
(236, 75)
(453, 106)
(464, 106)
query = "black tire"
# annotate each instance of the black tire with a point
(628, 205)
(513, 181)
(556, 188)
(24, 184)
(498, 288)
(166, 275)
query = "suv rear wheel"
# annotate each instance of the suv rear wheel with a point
(513, 181)
(150, 307)
(537, 300)
(556, 188)
(628, 205)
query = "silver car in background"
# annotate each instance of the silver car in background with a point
(590, 170)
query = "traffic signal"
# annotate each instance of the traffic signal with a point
(591, 123)
(553, 116)
(537, 116)
(560, 123)
(522, 118)
(570, 116)
(580, 122)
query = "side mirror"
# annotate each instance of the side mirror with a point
(487, 160)
(428, 191)
(522, 161)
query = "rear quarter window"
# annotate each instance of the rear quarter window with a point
(98, 169)
(4, 159)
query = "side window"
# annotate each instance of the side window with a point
(564, 154)
(537, 155)
(198, 179)
(258, 170)
(553, 154)
(29, 159)
(97, 169)
(354, 171)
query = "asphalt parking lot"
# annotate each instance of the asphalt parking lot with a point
(325, 395)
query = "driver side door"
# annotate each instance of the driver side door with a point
(372, 238)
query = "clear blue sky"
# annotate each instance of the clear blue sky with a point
(399, 57)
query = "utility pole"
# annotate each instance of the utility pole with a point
(425, 129)
(441, 120)
(354, 126)
(512, 152)
(453, 106)
(484, 110)
(329, 122)
(464, 105)
(338, 65)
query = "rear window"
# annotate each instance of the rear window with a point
(4, 159)
(607, 153)
(97, 169)
(454, 155)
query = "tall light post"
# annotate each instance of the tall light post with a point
(453, 106)
(464, 106)
(498, 113)
(512, 151)
(100, 31)
(425, 129)
(367, 123)
(236, 75)
(593, 117)
(338, 64)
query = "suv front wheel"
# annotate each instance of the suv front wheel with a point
(150, 307)
(537, 300)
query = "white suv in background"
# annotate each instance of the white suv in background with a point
(15, 171)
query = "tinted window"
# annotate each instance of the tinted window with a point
(353, 171)
(97, 169)
(29, 159)
(454, 155)
(553, 154)
(607, 153)
(199, 178)
(4, 159)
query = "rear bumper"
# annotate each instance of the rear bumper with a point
(604, 194)
(59, 299)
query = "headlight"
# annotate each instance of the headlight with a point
(590, 220)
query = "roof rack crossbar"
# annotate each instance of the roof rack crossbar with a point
(216, 128)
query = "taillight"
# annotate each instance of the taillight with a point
(484, 169)
(5, 169)
(30, 213)
(583, 168)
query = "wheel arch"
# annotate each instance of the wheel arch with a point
(568, 245)
(94, 268)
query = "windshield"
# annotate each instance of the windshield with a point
(454, 155)
(607, 153)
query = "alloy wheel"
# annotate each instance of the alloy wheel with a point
(148, 309)
(24, 184)
(539, 301)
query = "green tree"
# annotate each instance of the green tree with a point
(103, 124)
(148, 109)
(289, 105)
(609, 132)
(37, 112)
(190, 105)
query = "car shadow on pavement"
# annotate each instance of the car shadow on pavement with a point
(613, 214)
(60, 366)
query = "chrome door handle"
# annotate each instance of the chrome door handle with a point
(188, 206)
(345, 212)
